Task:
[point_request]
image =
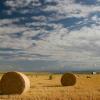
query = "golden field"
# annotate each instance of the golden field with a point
(87, 87)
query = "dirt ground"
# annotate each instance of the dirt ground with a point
(87, 87)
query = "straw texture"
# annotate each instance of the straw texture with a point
(14, 83)
(68, 79)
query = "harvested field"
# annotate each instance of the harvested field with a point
(44, 89)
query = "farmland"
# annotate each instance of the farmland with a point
(43, 87)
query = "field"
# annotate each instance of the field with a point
(43, 88)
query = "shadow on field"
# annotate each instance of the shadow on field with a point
(53, 86)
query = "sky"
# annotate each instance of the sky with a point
(49, 35)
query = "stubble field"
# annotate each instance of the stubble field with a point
(87, 87)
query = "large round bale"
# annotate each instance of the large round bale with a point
(68, 79)
(14, 83)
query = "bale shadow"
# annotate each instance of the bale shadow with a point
(53, 86)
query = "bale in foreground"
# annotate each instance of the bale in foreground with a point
(68, 79)
(14, 83)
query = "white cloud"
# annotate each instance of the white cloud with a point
(60, 43)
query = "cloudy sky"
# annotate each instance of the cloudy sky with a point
(52, 35)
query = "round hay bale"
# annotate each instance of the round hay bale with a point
(14, 83)
(68, 79)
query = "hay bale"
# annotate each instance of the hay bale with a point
(50, 77)
(68, 79)
(14, 83)
(94, 73)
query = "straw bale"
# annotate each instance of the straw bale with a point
(14, 83)
(68, 79)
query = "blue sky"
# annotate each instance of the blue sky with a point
(53, 35)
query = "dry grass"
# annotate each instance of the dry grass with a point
(44, 89)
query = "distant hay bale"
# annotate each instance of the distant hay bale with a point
(50, 77)
(14, 83)
(68, 79)
(94, 73)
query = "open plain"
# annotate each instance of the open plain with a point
(45, 87)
